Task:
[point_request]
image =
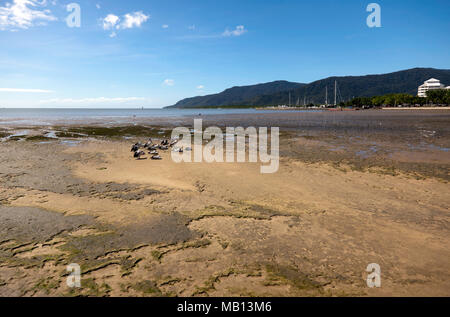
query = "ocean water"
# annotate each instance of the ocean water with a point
(34, 116)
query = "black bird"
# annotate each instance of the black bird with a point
(138, 154)
(165, 142)
(173, 142)
(134, 148)
(156, 157)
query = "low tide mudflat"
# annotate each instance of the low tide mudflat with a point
(353, 188)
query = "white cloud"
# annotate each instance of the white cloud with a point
(238, 31)
(128, 21)
(110, 21)
(98, 6)
(134, 19)
(93, 101)
(165, 26)
(24, 14)
(200, 87)
(25, 90)
(169, 82)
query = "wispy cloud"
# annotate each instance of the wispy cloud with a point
(165, 26)
(24, 14)
(135, 19)
(21, 90)
(128, 21)
(238, 31)
(110, 21)
(169, 82)
(200, 87)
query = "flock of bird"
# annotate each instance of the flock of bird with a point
(139, 148)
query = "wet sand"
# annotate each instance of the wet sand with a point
(353, 188)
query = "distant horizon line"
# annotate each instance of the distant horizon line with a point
(81, 108)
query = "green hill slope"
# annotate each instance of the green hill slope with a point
(275, 93)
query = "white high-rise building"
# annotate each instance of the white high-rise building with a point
(430, 84)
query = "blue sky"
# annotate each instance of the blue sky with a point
(153, 53)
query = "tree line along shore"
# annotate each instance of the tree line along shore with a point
(435, 98)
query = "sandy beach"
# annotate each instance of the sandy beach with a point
(352, 189)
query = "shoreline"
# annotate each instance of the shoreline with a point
(416, 108)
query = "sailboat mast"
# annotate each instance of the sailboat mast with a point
(326, 96)
(335, 90)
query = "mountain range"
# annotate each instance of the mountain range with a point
(348, 87)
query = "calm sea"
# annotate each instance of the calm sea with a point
(49, 116)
